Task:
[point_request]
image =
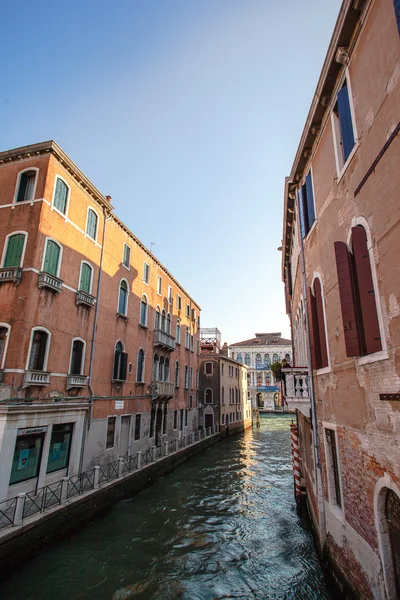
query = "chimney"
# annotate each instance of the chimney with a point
(224, 350)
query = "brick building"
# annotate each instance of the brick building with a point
(223, 395)
(341, 214)
(94, 330)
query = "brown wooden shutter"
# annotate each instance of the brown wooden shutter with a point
(366, 290)
(313, 327)
(321, 323)
(347, 300)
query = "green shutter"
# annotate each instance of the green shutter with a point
(14, 250)
(60, 196)
(86, 276)
(51, 259)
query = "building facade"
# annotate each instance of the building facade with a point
(92, 326)
(258, 354)
(341, 229)
(223, 394)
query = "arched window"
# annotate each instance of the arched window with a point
(178, 331)
(267, 360)
(187, 338)
(123, 298)
(39, 350)
(140, 366)
(287, 357)
(155, 367)
(258, 359)
(176, 374)
(239, 358)
(60, 198)
(157, 321)
(259, 379)
(91, 224)
(163, 320)
(77, 357)
(15, 245)
(120, 362)
(4, 338)
(52, 258)
(208, 396)
(247, 359)
(85, 281)
(143, 311)
(161, 369)
(166, 370)
(275, 358)
(186, 377)
(26, 185)
(169, 324)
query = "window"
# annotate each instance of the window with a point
(60, 198)
(188, 310)
(317, 327)
(357, 295)
(175, 419)
(157, 321)
(239, 358)
(223, 395)
(178, 331)
(223, 419)
(51, 263)
(247, 359)
(208, 368)
(85, 281)
(120, 363)
(194, 315)
(191, 342)
(197, 378)
(138, 422)
(146, 272)
(26, 185)
(186, 417)
(15, 245)
(126, 258)
(156, 363)
(77, 357)
(110, 432)
(187, 338)
(143, 311)
(176, 375)
(179, 302)
(287, 357)
(208, 396)
(258, 359)
(152, 419)
(396, 4)
(332, 467)
(140, 366)
(181, 419)
(27, 456)
(186, 377)
(343, 127)
(198, 321)
(267, 360)
(159, 284)
(39, 350)
(4, 337)
(91, 224)
(166, 370)
(165, 419)
(60, 445)
(163, 320)
(170, 294)
(191, 377)
(275, 358)
(222, 368)
(161, 369)
(123, 298)
(306, 205)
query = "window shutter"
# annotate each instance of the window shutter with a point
(310, 200)
(313, 327)
(321, 323)
(60, 196)
(348, 303)
(86, 275)
(51, 259)
(124, 363)
(117, 355)
(366, 290)
(14, 250)
(303, 213)
(346, 125)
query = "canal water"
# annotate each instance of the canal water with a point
(223, 525)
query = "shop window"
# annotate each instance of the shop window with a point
(60, 446)
(27, 457)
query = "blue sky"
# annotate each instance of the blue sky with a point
(188, 113)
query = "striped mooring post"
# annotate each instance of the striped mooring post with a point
(294, 434)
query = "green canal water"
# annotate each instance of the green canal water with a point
(223, 525)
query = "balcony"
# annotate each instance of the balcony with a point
(76, 381)
(10, 275)
(163, 388)
(50, 281)
(85, 299)
(163, 339)
(36, 378)
(297, 394)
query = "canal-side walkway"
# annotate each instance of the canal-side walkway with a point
(222, 525)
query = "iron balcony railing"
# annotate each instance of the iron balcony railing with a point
(10, 275)
(85, 299)
(36, 378)
(166, 340)
(163, 388)
(50, 282)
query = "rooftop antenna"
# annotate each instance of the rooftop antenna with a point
(151, 246)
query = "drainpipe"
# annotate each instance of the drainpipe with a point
(320, 494)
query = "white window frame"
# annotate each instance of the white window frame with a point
(144, 365)
(205, 367)
(128, 267)
(5, 247)
(212, 396)
(80, 275)
(64, 215)
(145, 264)
(47, 351)
(18, 182)
(125, 314)
(147, 311)
(78, 339)
(90, 208)
(337, 510)
(169, 294)
(50, 239)
(8, 327)
(178, 302)
(178, 338)
(317, 275)
(341, 164)
(187, 310)
(159, 285)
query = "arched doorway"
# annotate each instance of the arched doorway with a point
(260, 401)
(387, 520)
(208, 417)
